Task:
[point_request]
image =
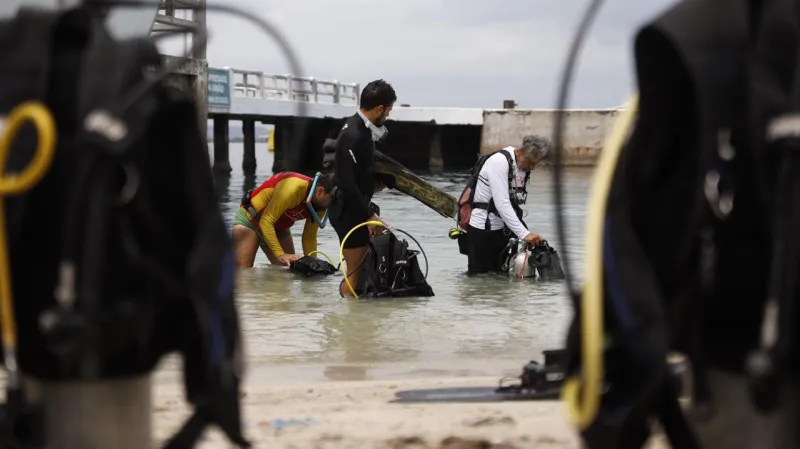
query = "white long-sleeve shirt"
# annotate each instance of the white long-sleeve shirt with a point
(493, 184)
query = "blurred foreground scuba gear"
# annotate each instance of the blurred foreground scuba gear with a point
(132, 274)
(696, 189)
(21, 423)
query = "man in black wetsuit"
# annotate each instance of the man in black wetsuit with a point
(354, 174)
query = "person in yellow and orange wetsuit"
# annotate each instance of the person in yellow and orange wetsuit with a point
(267, 213)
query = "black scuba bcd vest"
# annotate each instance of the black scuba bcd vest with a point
(126, 221)
(694, 214)
(391, 269)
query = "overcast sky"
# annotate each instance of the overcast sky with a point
(472, 53)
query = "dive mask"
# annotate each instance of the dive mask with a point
(321, 223)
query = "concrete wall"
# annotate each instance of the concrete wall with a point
(424, 146)
(584, 132)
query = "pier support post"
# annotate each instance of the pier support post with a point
(294, 156)
(97, 414)
(436, 161)
(281, 144)
(249, 131)
(222, 163)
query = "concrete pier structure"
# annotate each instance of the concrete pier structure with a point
(584, 134)
(187, 16)
(422, 138)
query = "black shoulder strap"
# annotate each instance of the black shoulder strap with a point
(510, 171)
(476, 169)
(213, 367)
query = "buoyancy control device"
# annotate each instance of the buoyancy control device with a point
(693, 233)
(391, 269)
(541, 261)
(119, 255)
(310, 266)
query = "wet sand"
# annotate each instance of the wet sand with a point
(334, 415)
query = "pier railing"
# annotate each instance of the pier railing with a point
(287, 87)
(184, 16)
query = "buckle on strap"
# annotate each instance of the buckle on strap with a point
(250, 210)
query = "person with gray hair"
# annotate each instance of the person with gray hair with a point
(499, 193)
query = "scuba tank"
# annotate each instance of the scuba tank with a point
(509, 257)
(516, 264)
(541, 261)
(520, 265)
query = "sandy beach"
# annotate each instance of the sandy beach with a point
(358, 414)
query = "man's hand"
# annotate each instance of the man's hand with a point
(287, 258)
(532, 239)
(375, 229)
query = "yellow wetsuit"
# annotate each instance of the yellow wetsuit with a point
(277, 204)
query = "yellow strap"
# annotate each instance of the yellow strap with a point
(312, 253)
(14, 184)
(582, 394)
(341, 252)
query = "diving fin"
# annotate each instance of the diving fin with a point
(395, 176)
(407, 182)
(537, 382)
(474, 394)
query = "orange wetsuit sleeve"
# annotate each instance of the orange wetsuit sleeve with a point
(288, 193)
(310, 235)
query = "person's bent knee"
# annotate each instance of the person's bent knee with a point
(240, 231)
(245, 242)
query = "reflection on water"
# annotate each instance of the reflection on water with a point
(291, 322)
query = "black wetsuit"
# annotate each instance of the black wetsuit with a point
(354, 178)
